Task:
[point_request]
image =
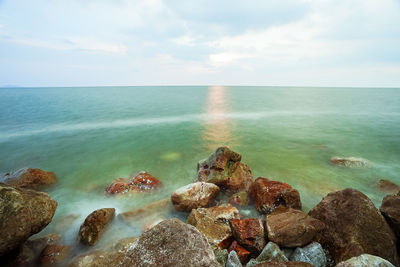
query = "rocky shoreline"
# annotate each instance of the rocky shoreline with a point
(345, 229)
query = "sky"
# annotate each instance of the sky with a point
(205, 42)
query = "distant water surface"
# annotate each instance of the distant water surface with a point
(89, 136)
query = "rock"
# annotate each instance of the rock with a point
(365, 260)
(284, 264)
(23, 212)
(350, 162)
(221, 255)
(291, 228)
(388, 186)
(171, 243)
(94, 225)
(224, 169)
(28, 178)
(158, 207)
(150, 224)
(249, 233)
(61, 224)
(214, 223)
(54, 255)
(141, 182)
(390, 209)
(288, 252)
(241, 252)
(123, 244)
(233, 260)
(240, 199)
(97, 258)
(193, 196)
(271, 252)
(268, 194)
(312, 253)
(353, 226)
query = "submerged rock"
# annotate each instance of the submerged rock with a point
(94, 225)
(291, 228)
(365, 260)
(157, 208)
(350, 162)
(388, 186)
(233, 260)
(214, 223)
(354, 226)
(268, 194)
(249, 233)
(224, 169)
(141, 182)
(242, 253)
(390, 209)
(240, 199)
(23, 212)
(193, 196)
(28, 178)
(312, 253)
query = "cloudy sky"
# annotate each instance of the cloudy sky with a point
(203, 42)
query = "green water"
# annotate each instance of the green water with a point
(90, 136)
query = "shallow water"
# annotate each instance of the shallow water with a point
(89, 136)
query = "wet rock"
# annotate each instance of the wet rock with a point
(291, 228)
(249, 233)
(312, 253)
(224, 169)
(233, 260)
(365, 260)
(284, 264)
(240, 199)
(23, 212)
(221, 255)
(28, 178)
(141, 182)
(354, 226)
(350, 162)
(157, 208)
(193, 196)
(94, 225)
(171, 243)
(242, 253)
(268, 194)
(388, 186)
(54, 255)
(390, 209)
(214, 223)
(271, 252)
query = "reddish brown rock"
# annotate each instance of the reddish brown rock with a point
(353, 226)
(29, 178)
(390, 209)
(224, 169)
(54, 255)
(193, 196)
(240, 199)
(388, 186)
(141, 182)
(94, 225)
(284, 264)
(268, 194)
(249, 233)
(214, 223)
(241, 252)
(291, 228)
(23, 212)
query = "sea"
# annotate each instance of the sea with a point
(89, 136)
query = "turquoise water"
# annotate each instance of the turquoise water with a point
(90, 136)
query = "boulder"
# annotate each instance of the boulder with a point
(390, 209)
(240, 199)
(350, 162)
(271, 252)
(171, 243)
(140, 182)
(241, 252)
(224, 169)
(388, 186)
(268, 194)
(312, 253)
(291, 228)
(353, 226)
(23, 212)
(28, 178)
(365, 260)
(214, 223)
(249, 233)
(193, 196)
(94, 225)
(54, 255)
(233, 260)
